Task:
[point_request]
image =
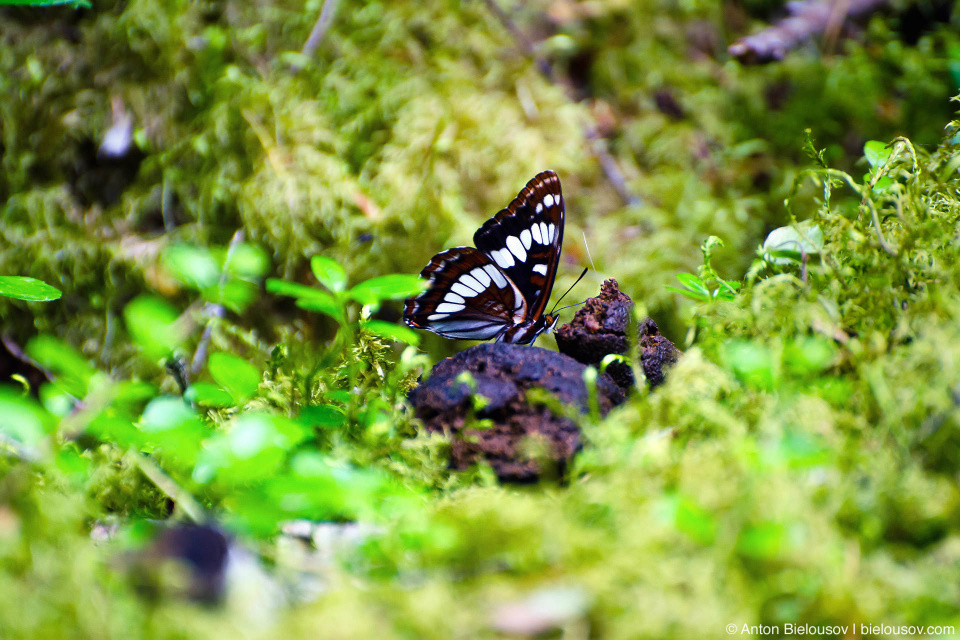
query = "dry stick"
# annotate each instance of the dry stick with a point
(597, 145)
(839, 13)
(22, 356)
(170, 488)
(521, 38)
(611, 169)
(319, 30)
(212, 310)
(807, 18)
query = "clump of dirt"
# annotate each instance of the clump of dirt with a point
(600, 328)
(656, 352)
(501, 427)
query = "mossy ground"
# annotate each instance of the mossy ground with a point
(799, 465)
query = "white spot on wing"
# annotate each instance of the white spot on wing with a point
(481, 277)
(543, 233)
(548, 199)
(525, 238)
(471, 282)
(553, 230)
(447, 307)
(539, 207)
(454, 298)
(535, 229)
(516, 248)
(466, 292)
(496, 275)
(540, 268)
(503, 258)
(436, 316)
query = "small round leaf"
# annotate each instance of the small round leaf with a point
(329, 273)
(240, 378)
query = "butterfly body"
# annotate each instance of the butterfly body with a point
(500, 289)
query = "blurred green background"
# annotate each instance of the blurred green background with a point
(799, 467)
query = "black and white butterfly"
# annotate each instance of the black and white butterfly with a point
(500, 289)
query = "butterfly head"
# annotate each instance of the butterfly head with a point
(550, 322)
(528, 331)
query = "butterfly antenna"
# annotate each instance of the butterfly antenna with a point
(587, 247)
(568, 291)
(577, 304)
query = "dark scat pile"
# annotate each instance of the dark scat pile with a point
(504, 373)
(600, 328)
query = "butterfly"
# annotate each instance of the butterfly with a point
(501, 288)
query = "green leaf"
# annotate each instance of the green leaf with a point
(786, 245)
(72, 369)
(207, 394)
(240, 378)
(57, 399)
(686, 292)
(693, 287)
(248, 261)
(396, 286)
(235, 295)
(29, 289)
(328, 307)
(152, 323)
(764, 541)
(692, 282)
(329, 273)
(809, 355)
(688, 517)
(252, 447)
(753, 363)
(166, 412)
(876, 153)
(392, 331)
(293, 289)
(169, 424)
(193, 266)
(880, 184)
(23, 421)
(70, 462)
(308, 298)
(324, 416)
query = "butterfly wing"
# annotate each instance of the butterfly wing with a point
(524, 240)
(469, 297)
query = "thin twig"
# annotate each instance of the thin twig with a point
(166, 207)
(212, 310)
(22, 356)
(612, 170)
(520, 37)
(319, 30)
(876, 227)
(597, 145)
(170, 488)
